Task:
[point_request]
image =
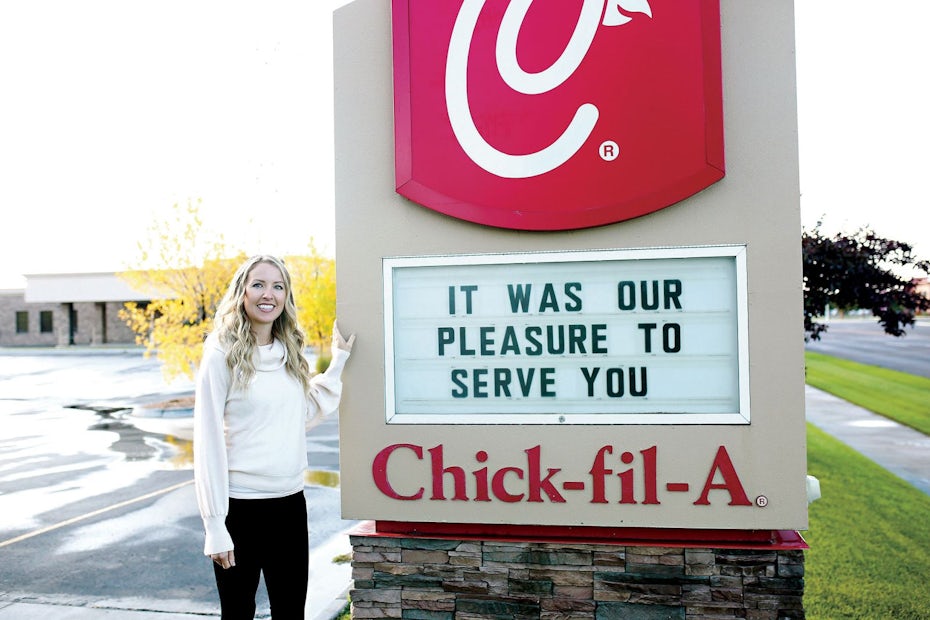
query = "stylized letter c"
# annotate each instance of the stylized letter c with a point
(379, 471)
(463, 125)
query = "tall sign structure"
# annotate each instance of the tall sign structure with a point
(571, 313)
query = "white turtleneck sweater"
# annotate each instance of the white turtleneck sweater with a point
(251, 443)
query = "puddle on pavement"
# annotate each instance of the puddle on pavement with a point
(322, 478)
(138, 444)
(183, 456)
(873, 423)
(142, 444)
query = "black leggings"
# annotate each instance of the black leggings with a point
(270, 537)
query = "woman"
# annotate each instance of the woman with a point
(254, 398)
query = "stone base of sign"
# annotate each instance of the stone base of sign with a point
(448, 577)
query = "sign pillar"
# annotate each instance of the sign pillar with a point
(572, 258)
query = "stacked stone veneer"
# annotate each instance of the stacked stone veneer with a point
(437, 579)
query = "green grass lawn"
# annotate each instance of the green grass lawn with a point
(869, 536)
(870, 532)
(897, 395)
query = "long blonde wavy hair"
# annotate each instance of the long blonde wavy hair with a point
(233, 328)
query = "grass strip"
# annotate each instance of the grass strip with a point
(899, 396)
(869, 536)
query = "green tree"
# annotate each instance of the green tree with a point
(186, 269)
(857, 271)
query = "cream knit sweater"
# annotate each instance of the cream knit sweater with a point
(251, 443)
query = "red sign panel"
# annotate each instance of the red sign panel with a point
(556, 114)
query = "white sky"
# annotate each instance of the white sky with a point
(864, 117)
(111, 111)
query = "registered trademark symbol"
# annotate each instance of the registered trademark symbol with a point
(762, 501)
(609, 150)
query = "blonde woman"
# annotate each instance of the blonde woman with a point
(254, 397)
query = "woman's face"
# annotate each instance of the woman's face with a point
(264, 294)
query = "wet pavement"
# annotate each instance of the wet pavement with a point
(98, 515)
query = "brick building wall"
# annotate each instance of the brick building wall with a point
(116, 329)
(99, 323)
(448, 579)
(96, 323)
(11, 303)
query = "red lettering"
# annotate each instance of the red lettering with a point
(458, 476)
(538, 484)
(379, 471)
(481, 478)
(731, 481)
(599, 473)
(541, 481)
(649, 475)
(626, 480)
(497, 484)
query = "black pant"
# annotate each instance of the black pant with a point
(270, 537)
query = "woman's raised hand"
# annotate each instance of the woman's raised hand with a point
(339, 340)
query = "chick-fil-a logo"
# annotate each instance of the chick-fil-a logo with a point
(544, 115)
(567, 144)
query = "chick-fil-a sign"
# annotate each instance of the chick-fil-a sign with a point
(535, 480)
(553, 115)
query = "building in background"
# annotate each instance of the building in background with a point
(66, 309)
(922, 286)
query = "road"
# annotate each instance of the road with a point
(93, 509)
(863, 340)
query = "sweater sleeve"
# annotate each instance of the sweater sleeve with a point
(326, 388)
(211, 470)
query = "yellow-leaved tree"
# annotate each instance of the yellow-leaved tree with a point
(314, 279)
(186, 269)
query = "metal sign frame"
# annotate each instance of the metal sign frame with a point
(507, 410)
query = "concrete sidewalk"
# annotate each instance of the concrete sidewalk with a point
(898, 448)
(901, 450)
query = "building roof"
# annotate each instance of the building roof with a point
(78, 287)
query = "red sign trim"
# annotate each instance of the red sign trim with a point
(627, 536)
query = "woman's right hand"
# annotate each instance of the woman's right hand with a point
(339, 341)
(225, 559)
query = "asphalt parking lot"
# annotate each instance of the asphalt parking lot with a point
(97, 511)
(863, 340)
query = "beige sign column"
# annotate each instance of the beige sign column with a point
(746, 474)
